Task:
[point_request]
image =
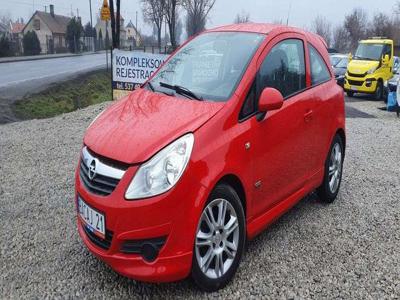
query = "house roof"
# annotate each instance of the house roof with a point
(130, 25)
(17, 27)
(56, 24)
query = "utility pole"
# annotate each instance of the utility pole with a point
(90, 8)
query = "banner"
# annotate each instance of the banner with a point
(131, 69)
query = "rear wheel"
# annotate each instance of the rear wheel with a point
(220, 239)
(329, 188)
(350, 93)
(379, 91)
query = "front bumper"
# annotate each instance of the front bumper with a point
(360, 85)
(172, 216)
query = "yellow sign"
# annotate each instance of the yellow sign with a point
(105, 11)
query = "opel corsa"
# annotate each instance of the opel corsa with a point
(236, 127)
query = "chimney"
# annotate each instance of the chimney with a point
(52, 10)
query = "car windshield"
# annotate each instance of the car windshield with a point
(342, 63)
(367, 51)
(334, 60)
(210, 66)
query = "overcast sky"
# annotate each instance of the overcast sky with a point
(302, 12)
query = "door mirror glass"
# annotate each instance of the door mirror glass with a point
(270, 99)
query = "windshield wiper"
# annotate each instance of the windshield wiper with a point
(151, 86)
(181, 90)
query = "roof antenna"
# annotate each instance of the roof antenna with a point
(288, 15)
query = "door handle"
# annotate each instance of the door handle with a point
(308, 116)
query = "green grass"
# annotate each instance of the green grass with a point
(65, 97)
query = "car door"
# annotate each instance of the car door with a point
(278, 143)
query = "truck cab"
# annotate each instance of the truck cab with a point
(370, 67)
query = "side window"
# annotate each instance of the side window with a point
(388, 50)
(283, 68)
(249, 106)
(319, 71)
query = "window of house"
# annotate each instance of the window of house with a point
(283, 68)
(319, 71)
(36, 24)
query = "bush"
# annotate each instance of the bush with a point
(73, 35)
(5, 47)
(31, 43)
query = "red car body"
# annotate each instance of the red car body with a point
(271, 164)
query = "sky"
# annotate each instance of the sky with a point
(301, 12)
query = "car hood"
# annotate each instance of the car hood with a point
(339, 71)
(395, 79)
(138, 126)
(361, 66)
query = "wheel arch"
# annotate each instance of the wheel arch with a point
(234, 182)
(340, 132)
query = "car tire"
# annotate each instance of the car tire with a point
(215, 241)
(379, 91)
(333, 171)
(350, 94)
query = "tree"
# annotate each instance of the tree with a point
(178, 30)
(153, 12)
(73, 34)
(171, 15)
(356, 27)
(31, 43)
(381, 25)
(101, 41)
(340, 39)
(107, 43)
(5, 47)
(197, 12)
(323, 27)
(242, 17)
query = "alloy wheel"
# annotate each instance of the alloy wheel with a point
(217, 238)
(335, 168)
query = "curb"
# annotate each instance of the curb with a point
(31, 58)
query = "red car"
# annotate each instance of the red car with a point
(234, 129)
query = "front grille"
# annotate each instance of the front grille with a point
(98, 241)
(100, 185)
(354, 82)
(357, 75)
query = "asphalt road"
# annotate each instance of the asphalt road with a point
(19, 78)
(346, 250)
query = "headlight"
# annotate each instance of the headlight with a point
(163, 171)
(372, 70)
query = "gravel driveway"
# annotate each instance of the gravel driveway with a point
(350, 249)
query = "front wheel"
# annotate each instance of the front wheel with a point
(329, 188)
(220, 239)
(379, 91)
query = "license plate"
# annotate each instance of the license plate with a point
(94, 220)
(353, 88)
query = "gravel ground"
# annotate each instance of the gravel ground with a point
(349, 249)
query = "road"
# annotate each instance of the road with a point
(19, 78)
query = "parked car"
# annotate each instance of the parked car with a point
(391, 85)
(339, 65)
(396, 64)
(176, 177)
(370, 67)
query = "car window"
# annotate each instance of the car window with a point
(319, 70)
(387, 50)
(283, 68)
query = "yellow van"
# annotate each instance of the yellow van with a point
(370, 67)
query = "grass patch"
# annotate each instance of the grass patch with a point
(65, 97)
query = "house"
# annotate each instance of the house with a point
(101, 25)
(133, 36)
(50, 29)
(4, 30)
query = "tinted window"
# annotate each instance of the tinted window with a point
(283, 68)
(319, 70)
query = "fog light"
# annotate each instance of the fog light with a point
(149, 252)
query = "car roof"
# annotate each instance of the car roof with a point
(269, 29)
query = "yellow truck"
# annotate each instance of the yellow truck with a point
(370, 67)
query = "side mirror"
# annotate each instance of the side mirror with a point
(385, 59)
(270, 99)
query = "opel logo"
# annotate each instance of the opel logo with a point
(92, 169)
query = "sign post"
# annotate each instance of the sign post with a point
(106, 16)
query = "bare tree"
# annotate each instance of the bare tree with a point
(242, 17)
(197, 12)
(171, 15)
(340, 39)
(153, 12)
(356, 26)
(382, 25)
(323, 27)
